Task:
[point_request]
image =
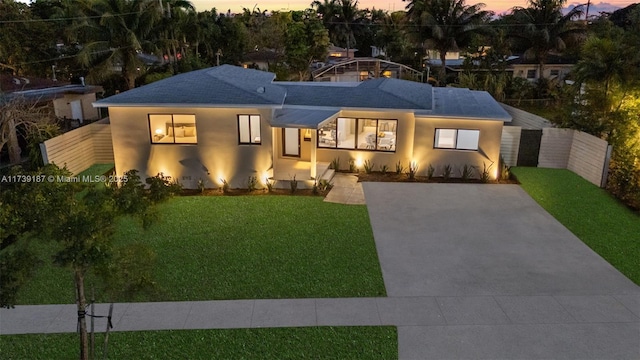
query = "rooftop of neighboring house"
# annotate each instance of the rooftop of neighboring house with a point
(39, 89)
(231, 86)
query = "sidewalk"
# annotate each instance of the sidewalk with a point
(346, 190)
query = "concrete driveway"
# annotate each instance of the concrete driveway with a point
(504, 279)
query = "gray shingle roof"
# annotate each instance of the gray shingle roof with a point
(301, 118)
(465, 103)
(378, 93)
(227, 86)
(221, 85)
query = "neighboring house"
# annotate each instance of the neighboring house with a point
(70, 101)
(260, 59)
(556, 67)
(336, 53)
(360, 69)
(229, 123)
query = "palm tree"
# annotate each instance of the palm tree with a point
(118, 31)
(447, 25)
(543, 29)
(342, 18)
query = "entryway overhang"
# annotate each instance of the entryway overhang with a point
(301, 118)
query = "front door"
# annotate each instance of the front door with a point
(291, 142)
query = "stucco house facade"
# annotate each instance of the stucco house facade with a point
(229, 123)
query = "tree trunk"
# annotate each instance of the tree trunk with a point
(12, 140)
(82, 322)
(443, 67)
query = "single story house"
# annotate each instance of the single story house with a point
(70, 101)
(229, 124)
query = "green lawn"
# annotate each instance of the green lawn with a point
(279, 343)
(599, 220)
(244, 247)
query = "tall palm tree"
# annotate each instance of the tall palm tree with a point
(342, 18)
(118, 31)
(447, 25)
(543, 29)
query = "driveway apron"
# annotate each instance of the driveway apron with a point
(508, 279)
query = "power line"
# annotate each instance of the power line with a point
(71, 56)
(67, 18)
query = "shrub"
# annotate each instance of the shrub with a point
(485, 176)
(269, 184)
(352, 165)
(413, 169)
(446, 173)
(335, 164)
(293, 184)
(399, 168)
(466, 173)
(384, 169)
(225, 186)
(325, 185)
(368, 166)
(161, 187)
(252, 183)
(430, 171)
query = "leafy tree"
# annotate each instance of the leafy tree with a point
(306, 40)
(21, 118)
(447, 25)
(80, 218)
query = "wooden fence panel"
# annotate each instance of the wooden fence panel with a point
(526, 120)
(555, 148)
(588, 157)
(509, 144)
(80, 148)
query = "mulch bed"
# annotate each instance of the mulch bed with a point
(393, 177)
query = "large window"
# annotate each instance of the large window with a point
(457, 139)
(173, 129)
(361, 134)
(249, 129)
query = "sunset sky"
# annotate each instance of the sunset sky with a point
(236, 6)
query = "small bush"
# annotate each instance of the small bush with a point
(352, 165)
(413, 169)
(446, 173)
(399, 168)
(485, 176)
(466, 173)
(161, 187)
(384, 169)
(293, 184)
(368, 166)
(505, 171)
(252, 183)
(335, 164)
(269, 184)
(225, 186)
(325, 185)
(201, 185)
(430, 171)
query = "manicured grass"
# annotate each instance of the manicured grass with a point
(279, 343)
(96, 169)
(599, 220)
(245, 247)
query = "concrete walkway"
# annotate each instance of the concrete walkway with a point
(346, 190)
(471, 271)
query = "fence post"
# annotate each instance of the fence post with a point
(43, 152)
(605, 168)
